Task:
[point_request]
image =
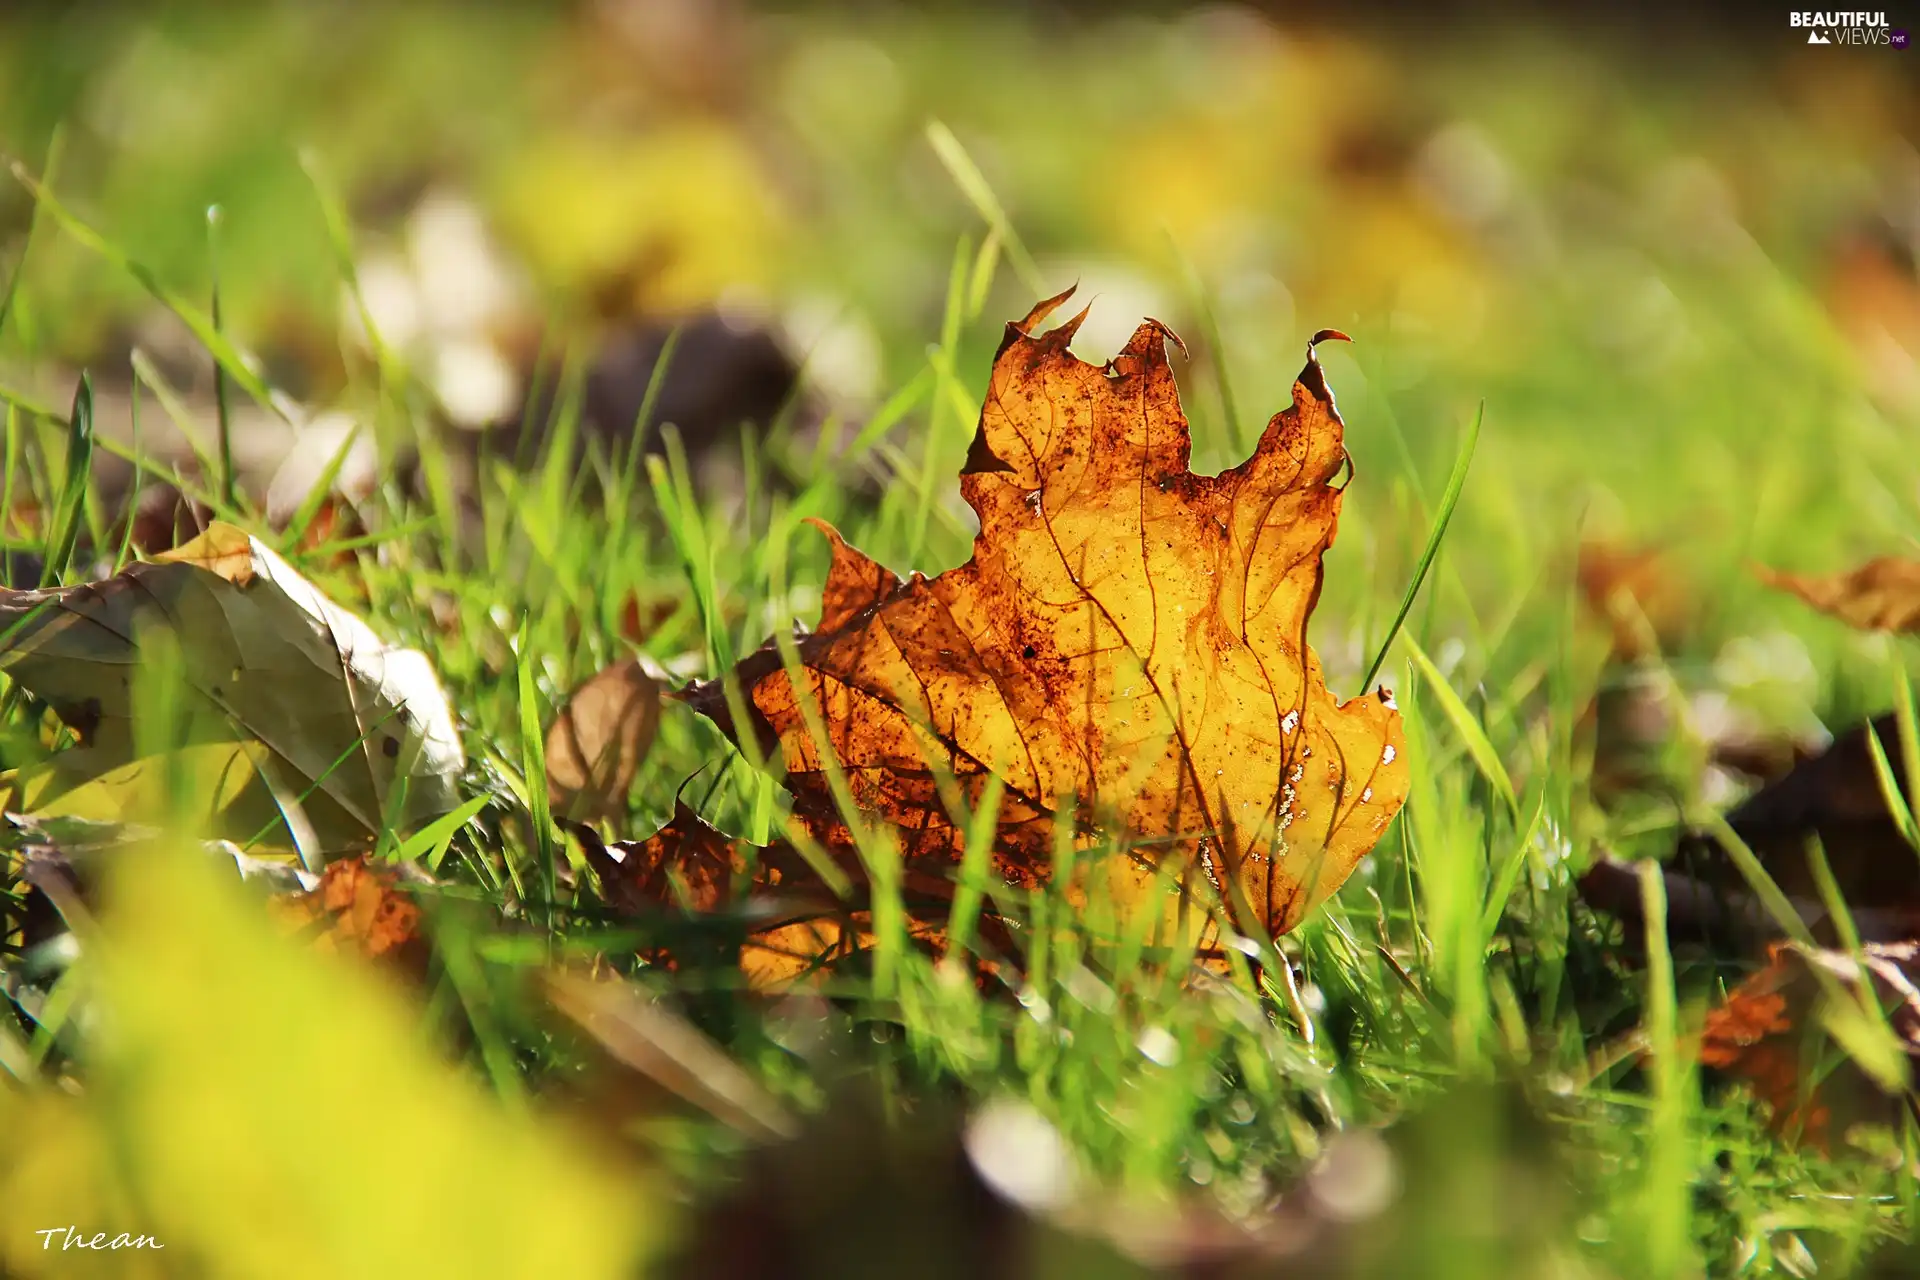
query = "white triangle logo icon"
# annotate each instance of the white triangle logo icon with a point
(1814, 37)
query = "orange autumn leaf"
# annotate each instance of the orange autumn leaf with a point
(1126, 650)
(787, 923)
(359, 906)
(1769, 1033)
(1881, 595)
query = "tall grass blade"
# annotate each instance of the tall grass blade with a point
(974, 186)
(65, 532)
(221, 406)
(238, 365)
(48, 169)
(1450, 499)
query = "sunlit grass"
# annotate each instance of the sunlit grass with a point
(1458, 953)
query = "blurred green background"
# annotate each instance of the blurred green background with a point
(1674, 258)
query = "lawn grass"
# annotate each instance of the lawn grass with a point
(1714, 409)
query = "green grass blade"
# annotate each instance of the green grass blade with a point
(970, 893)
(430, 842)
(974, 186)
(897, 407)
(1904, 716)
(1890, 790)
(221, 406)
(65, 531)
(1216, 349)
(48, 170)
(533, 764)
(1669, 1173)
(1504, 880)
(630, 468)
(1455, 483)
(1763, 885)
(309, 507)
(239, 366)
(985, 264)
(1463, 722)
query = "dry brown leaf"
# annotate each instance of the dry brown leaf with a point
(1648, 606)
(1835, 797)
(1126, 650)
(596, 745)
(1881, 595)
(1769, 1034)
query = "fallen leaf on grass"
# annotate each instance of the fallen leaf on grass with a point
(360, 906)
(597, 744)
(346, 719)
(1775, 1028)
(1881, 595)
(785, 923)
(1833, 797)
(1125, 650)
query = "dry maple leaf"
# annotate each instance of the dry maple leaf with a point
(1881, 595)
(1126, 650)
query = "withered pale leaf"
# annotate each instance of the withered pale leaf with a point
(1126, 650)
(647, 1038)
(599, 740)
(346, 718)
(1881, 595)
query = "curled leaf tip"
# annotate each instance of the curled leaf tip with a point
(1024, 327)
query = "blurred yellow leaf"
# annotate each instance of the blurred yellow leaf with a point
(261, 1109)
(677, 215)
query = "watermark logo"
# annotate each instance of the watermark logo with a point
(1847, 28)
(75, 1238)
